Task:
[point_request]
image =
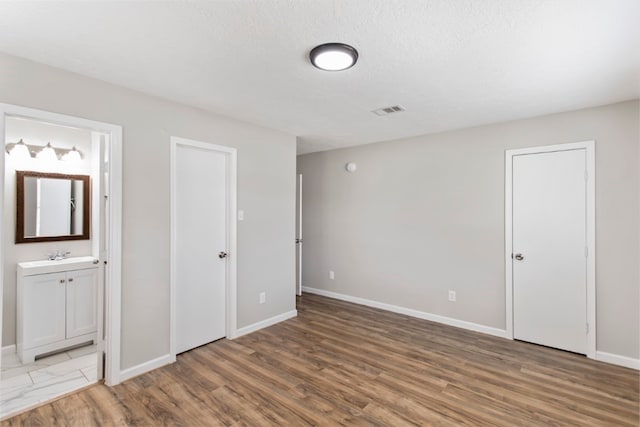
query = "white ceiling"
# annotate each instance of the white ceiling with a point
(450, 63)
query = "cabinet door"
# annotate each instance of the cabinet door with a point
(44, 309)
(82, 302)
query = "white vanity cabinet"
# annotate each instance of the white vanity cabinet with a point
(57, 305)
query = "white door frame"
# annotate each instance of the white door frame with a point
(230, 286)
(300, 240)
(112, 297)
(589, 147)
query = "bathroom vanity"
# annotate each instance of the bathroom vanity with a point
(56, 305)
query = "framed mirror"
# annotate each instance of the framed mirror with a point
(52, 207)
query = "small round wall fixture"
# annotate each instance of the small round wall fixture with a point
(333, 56)
(351, 167)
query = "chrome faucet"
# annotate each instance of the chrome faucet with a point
(58, 255)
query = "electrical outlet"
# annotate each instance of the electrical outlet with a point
(452, 296)
(263, 297)
(331, 275)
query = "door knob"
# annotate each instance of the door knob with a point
(222, 255)
(518, 257)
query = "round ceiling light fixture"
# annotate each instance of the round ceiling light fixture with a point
(333, 56)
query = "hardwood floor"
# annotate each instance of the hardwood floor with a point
(340, 363)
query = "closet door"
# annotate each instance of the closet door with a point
(549, 249)
(200, 259)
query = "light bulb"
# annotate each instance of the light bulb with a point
(72, 156)
(20, 151)
(47, 153)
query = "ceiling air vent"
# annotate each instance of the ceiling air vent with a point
(388, 110)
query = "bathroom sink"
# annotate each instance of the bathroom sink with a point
(46, 266)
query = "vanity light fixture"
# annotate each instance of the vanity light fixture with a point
(333, 56)
(24, 150)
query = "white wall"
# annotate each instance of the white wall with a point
(35, 133)
(266, 189)
(424, 215)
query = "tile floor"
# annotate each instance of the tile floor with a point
(23, 386)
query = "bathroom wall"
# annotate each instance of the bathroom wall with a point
(35, 133)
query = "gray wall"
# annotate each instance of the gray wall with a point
(266, 171)
(424, 215)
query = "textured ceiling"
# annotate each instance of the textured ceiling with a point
(450, 63)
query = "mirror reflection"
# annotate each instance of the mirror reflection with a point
(51, 207)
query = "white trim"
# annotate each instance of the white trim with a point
(114, 240)
(232, 218)
(8, 349)
(615, 359)
(589, 147)
(145, 367)
(2, 231)
(266, 323)
(410, 312)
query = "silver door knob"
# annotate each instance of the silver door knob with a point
(222, 255)
(518, 257)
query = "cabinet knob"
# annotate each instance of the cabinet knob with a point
(61, 280)
(71, 279)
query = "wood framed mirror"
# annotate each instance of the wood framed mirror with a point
(52, 207)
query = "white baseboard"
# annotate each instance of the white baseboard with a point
(616, 359)
(145, 367)
(265, 323)
(410, 312)
(9, 349)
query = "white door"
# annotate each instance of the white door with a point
(549, 249)
(101, 226)
(82, 302)
(299, 238)
(200, 245)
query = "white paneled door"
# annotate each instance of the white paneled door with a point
(549, 257)
(200, 209)
(299, 238)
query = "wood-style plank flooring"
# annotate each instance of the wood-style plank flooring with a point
(343, 364)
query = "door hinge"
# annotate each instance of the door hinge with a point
(586, 251)
(586, 327)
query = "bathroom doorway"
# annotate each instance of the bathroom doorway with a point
(68, 339)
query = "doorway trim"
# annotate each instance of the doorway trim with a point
(232, 215)
(299, 239)
(589, 147)
(112, 296)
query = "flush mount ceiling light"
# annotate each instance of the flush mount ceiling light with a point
(333, 56)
